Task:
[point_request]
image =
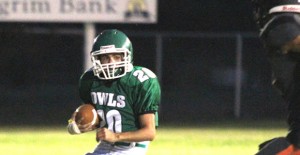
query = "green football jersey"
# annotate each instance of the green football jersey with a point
(119, 102)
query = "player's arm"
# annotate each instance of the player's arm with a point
(85, 83)
(146, 132)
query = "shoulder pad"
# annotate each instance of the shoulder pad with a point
(88, 74)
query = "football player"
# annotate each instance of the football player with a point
(279, 23)
(126, 97)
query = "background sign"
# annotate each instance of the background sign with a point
(108, 11)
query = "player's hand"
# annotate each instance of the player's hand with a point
(106, 135)
(86, 128)
(82, 128)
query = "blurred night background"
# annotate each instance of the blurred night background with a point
(40, 66)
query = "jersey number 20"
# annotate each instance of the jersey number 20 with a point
(113, 119)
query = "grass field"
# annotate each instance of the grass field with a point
(219, 138)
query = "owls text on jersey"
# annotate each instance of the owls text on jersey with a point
(119, 102)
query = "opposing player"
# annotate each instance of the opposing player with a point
(279, 22)
(126, 97)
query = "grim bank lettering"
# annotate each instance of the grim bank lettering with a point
(8, 7)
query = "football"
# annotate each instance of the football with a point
(86, 117)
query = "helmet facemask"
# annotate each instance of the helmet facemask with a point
(111, 70)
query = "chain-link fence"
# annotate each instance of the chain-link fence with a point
(204, 76)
